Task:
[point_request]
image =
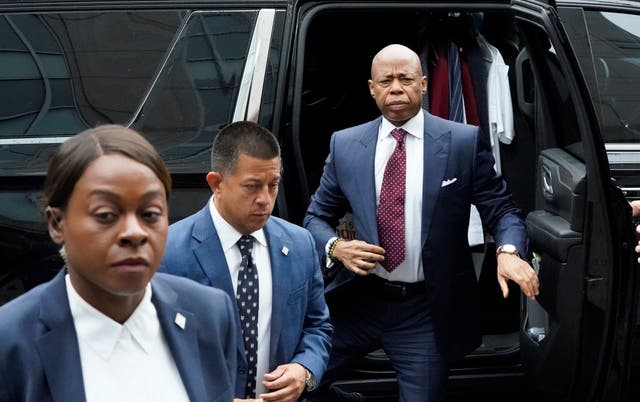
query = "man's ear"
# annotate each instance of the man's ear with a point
(371, 87)
(214, 179)
(54, 221)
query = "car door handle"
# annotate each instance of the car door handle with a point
(547, 187)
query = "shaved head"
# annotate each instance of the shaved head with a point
(397, 84)
(396, 51)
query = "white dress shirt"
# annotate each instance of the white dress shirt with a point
(411, 269)
(499, 104)
(124, 362)
(260, 254)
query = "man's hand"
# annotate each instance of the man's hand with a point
(286, 383)
(638, 246)
(635, 207)
(511, 267)
(635, 211)
(358, 256)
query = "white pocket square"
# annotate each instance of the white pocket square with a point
(445, 183)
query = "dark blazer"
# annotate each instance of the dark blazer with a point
(458, 172)
(40, 359)
(300, 328)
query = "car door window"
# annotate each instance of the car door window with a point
(613, 40)
(62, 73)
(174, 75)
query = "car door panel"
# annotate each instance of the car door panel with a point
(551, 323)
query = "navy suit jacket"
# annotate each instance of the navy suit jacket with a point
(458, 172)
(40, 359)
(300, 328)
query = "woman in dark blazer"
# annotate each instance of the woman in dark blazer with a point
(107, 327)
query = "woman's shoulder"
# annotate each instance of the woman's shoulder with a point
(20, 317)
(181, 286)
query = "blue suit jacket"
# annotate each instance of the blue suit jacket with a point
(300, 328)
(40, 359)
(452, 151)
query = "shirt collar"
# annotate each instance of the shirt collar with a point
(102, 333)
(228, 235)
(413, 126)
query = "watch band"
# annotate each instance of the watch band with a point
(309, 381)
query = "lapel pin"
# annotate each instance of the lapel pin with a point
(285, 250)
(181, 320)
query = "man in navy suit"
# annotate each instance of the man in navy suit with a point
(39, 348)
(277, 282)
(407, 283)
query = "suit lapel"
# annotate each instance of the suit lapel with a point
(364, 163)
(208, 251)
(280, 282)
(437, 140)
(58, 347)
(182, 342)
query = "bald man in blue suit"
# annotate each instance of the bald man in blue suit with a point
(423, 310)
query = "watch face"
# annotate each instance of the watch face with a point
(508, 248)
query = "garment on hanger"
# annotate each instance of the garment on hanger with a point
(470, 106)
(459, 50)
(439, 84)
(440, 106)
(500, 107)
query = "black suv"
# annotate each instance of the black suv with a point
(178, 71)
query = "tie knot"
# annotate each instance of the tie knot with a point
(246, 245)
(398, 134)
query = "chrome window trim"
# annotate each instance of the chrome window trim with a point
(623, 153)
(253, 76)
(33, 140)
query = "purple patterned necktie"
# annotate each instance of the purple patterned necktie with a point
(391, 206)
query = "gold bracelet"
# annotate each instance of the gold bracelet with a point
(333, 247)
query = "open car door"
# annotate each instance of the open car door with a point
(575, 336)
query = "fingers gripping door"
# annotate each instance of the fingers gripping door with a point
(551, 323)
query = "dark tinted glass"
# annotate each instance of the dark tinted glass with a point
(195, 94)
(62, 73)
(615, 43)
(174, 76)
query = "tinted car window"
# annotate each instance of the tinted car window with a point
(195, 93)
(615, 46)
(62, 73)
(173, 75)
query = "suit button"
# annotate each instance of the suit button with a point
(242, 371)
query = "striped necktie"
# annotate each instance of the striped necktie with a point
(456, 105)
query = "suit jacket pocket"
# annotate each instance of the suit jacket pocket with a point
(226, 396)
